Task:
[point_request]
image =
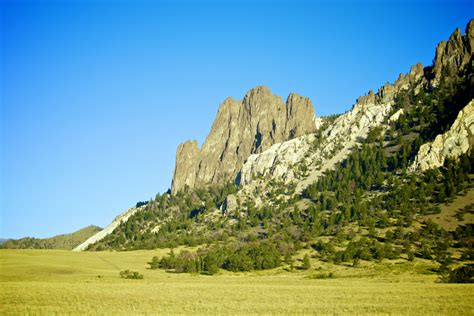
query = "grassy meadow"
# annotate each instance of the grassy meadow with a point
(64, 282)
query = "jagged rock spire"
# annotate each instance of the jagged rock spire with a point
(241, 128)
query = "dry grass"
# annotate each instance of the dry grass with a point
(62, 282)
(447, 217)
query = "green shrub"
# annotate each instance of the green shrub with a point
(168, 262)
(154, 263)
(127, 274)
(211, 262)
(186, 262)
(306, 263)
(238, 262)
(463, 274)
(329, 275)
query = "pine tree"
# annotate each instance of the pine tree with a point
(306, 263)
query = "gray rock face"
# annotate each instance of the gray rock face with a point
(455, 54)
(455, 142)
(185, 161)
(278, 162)
(241, 128)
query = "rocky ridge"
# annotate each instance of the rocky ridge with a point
(241, 128)
(454, 55)
(318, 154)
(314, 154)
(452, 144)
(249, 136)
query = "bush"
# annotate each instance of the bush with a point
(463, 274)
(320, 276)
(186, 262)
(154, 263)
(167, 262)
(127, 274)
(238, 262)
(211, 262)
(306, 263)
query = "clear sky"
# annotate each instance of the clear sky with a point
(97, 95)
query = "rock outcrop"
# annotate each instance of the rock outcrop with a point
(241, 128)
(454, 55)
(278, 161)
(371, 110)
(334, 144)
(452, 144)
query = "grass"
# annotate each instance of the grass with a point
(447, 217)
(64, 282)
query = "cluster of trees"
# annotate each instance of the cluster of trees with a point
(426, 115)
(175, 215)
(364, 189)
(234, 257)
(363, 249)
(141, 203)
(430, 241)
(463, 274)
(463, 237)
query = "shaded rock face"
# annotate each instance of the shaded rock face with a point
(455, 54)
(185, 162)
(241, 128)
(452, 144)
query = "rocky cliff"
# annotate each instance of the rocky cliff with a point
(314, 155)
(303, 160)
(251, 126)
(241, 128)
(455, 142)
(455, 55)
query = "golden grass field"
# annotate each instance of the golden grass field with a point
(62, 282)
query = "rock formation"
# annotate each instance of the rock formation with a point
(277, 163)
(455, 142)
(241, 128)
(335, 143)
(251, 126)
(455, 54)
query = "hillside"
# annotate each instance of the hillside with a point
(371, 184)
(64, 241)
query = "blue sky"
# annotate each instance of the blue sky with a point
(96, 95)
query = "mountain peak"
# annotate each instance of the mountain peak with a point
(241, 128)
(455, 54)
